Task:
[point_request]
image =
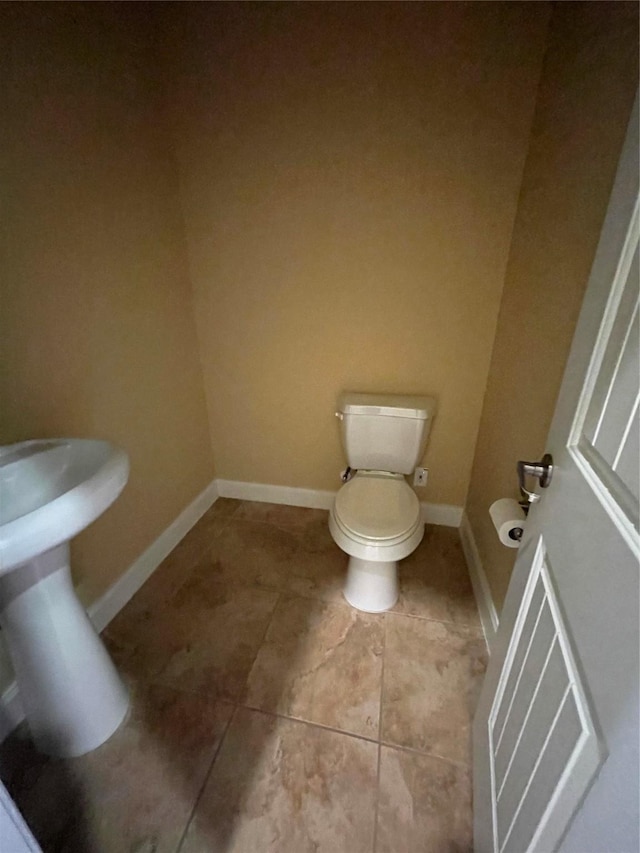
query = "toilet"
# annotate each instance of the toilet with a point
(375, 517)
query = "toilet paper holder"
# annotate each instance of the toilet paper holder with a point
(542, 470)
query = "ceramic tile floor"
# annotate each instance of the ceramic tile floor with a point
(267, 714)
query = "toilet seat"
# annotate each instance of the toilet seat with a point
(380, 509)
(376, 517)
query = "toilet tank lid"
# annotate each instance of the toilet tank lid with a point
(391, 405)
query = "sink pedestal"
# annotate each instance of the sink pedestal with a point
(71, 692)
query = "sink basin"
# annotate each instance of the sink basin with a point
(51, 490)
(72, 695)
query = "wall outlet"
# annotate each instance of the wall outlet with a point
(420, 477)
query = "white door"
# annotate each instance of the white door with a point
(556, 730)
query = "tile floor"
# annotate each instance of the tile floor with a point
(269, 715)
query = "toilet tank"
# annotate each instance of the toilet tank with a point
(385, 432)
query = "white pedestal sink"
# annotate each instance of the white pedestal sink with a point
(72, 695)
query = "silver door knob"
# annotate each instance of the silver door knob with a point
(542, 470)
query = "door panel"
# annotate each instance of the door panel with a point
(547, 725)
(556, 732)
(604, 435)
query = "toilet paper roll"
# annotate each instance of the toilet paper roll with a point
(508, 519)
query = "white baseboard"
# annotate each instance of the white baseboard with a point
(265, 493)
(442, 514)
(481, 588)
(105, 608)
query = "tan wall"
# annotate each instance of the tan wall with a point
(349, 175)
(97, 336)
(586, 94)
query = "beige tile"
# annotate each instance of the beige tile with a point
(432, 674)
(223, 507)
(134, 793)
(320, 662)
(228, 624)
(250, 552)
(295, 518)
(280, 786)
(319, 573)
(202, 535)
(163, 584)
(434, 580)
(200, 625)
(138, 618)
(205, 640)
(424, 805)
(316, 535)
(124, 633)
(320, 567)
(142, 644)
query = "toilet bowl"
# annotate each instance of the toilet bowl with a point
(375, 519)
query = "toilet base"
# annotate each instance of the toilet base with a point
(371, 586)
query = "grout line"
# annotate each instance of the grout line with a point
(281, 593)
(308, 723)
(384, 654)
(205, 780)
(414, 751)
(217, 697)
(260, 645)
(474, 628)
(377, 802)
(377, 791)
